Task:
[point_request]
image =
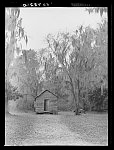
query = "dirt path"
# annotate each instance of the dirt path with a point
(30, 129)
(53, 133)
(62, 129)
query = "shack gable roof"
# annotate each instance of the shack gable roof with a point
(44, 92)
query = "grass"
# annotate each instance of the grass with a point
(64, 128)
(91, 127)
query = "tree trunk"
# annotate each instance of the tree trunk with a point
(90, 107)
(26, 107)
(78, 97)
(6, 96)
(74, 96)
(6, 107)
(88, 102)
(77, 103)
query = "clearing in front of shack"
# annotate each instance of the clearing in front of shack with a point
(62, 129)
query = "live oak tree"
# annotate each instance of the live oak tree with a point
(78, 55)
(13, 33)
(82, 61)
(33, 65)
(26, 70)
(100, 75)
(61, 46)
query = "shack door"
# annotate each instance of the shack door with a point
(46, 104)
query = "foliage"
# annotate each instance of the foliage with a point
(70, 53)
(24, 104)
(25, 75)
(97, 99)
(97, 10)
(13, 33)
(83, 63)
(50, 67)
(11, 92)
(25, 70)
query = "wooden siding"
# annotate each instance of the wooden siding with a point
(52, 104)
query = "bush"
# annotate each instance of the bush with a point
(54, 112)
(98, 101)
(25, 105)
(12, 105)
(11, 92)
(105, 104)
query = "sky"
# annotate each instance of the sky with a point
(38, 22)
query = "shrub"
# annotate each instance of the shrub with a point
(97, 100)
(25, 105)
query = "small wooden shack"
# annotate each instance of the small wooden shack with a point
(46, 102)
